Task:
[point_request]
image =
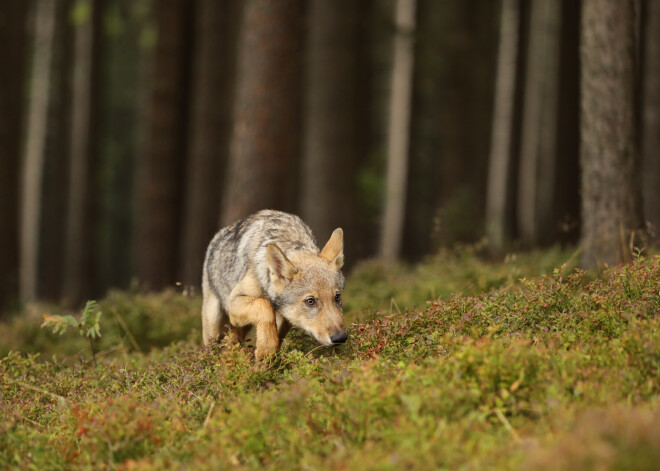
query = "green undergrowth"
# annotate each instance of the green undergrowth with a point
(392, 287)
(560, 371)
(140, 322)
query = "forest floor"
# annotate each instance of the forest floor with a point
(454, 363)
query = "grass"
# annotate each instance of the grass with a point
(556, 371)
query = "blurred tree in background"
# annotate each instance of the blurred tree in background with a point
(131, 130)
(81, 214)
(13, 39)
(336, 117)
(216, 28)
(159, 184)
(611, 193)
(650, 119)
(263, 167)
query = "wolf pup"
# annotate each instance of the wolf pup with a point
(266, 271)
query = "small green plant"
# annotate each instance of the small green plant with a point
(88, 325)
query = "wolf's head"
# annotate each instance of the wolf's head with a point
(308, 288)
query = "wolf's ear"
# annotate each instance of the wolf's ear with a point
(281, 269)
(334, 249)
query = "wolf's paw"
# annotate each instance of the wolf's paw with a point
(265, 353)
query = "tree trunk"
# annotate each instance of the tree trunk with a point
(13, 17)
(35, 146)
(399, 131)
(52, 235)
(539, 132)
(424, 171)
(125, 104)
(651, 121)
(209, 131)
(333, 118)
(609, 155)
(452, 99)
(79, 272)
(160, 178)
(499, 204)
(262, 168)
(567, 182)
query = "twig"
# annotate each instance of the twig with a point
(91, 344)
(111, 454)
(577, 252)
(316, 348)
(393, 301)
(121, 322)
(38, 389)
(209, 414)
(110, 350)
(103, 353)
(507, 424)
(33, 422)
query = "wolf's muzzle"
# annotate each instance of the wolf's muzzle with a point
(339, 337)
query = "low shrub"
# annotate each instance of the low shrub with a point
(515, 377)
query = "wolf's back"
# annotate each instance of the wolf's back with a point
(242, 246)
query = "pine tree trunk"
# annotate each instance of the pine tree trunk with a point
(12, 58)
(209, 131)
(79, 272)
(499, 204)
(609, 155)
(160, 174)
(425, 170)
(539, 132)
(52, 236)
(35, 146)
(333, 115)
(567, 181)
(399, 131)
(452, 102)
(262, 169)
(651, 121)
(122, 137)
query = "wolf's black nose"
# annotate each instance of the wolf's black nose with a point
(339, 338)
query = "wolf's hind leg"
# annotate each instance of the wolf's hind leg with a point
(238, 334)
(214, 318)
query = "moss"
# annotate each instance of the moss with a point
(483, 378)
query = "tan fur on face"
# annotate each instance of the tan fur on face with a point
(334, 249)
(320, 279)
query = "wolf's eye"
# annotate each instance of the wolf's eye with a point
(338, 298)
(311, 302)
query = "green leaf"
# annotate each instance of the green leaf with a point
(69, 320)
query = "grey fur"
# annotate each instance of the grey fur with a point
(239, 250)
(242, 245)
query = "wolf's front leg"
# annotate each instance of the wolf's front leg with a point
(283, 326)
(247, 309)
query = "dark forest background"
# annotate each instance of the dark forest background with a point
(132, 130)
